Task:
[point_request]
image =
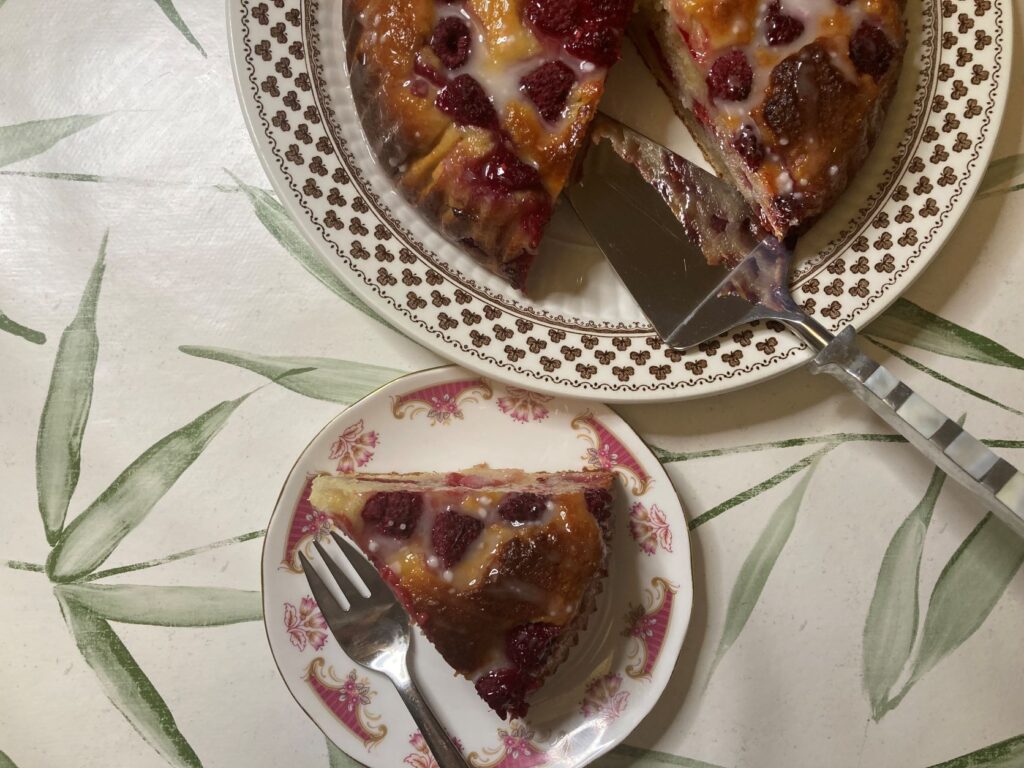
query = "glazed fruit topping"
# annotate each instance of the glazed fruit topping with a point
(548, 87)
(556, 17)
(450, 41)
(746, 143)
(522, 507)
(780, 28)
(504, 172)
(599, 502)
(394, 513)
(465, 101)
(529, 645)
(505, 691)
(452, 534)
(730, 77)
(589, 29)
(596, 41)
(870, 50)
(615, 12)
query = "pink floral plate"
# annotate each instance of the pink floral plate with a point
(447, 419)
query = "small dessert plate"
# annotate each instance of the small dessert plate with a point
(449, 419)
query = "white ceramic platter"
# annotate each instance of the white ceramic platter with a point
(579, 333)
(449, 419)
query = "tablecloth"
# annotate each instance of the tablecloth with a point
(851, 608)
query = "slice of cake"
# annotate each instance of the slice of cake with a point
(477, 108)
(785, 97)
(499, 568)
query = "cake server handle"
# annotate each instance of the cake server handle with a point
(948, 445)
(445, 752)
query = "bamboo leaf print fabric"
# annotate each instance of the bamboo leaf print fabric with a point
(170, 342)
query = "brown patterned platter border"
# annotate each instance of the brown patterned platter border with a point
(855, 262)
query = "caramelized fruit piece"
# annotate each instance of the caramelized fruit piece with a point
(730, 77)
(452, 534)
(522, 507)
(465, 101)
(548, 87)
(870, 50)
(394, 513)
(451, 41)
(781, 28)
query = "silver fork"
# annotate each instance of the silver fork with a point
(374, 632)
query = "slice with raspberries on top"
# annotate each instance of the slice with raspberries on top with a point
(500, 568)
(478, 108)
(784, 97)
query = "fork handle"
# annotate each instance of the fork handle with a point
(953, 450)
(441, 745)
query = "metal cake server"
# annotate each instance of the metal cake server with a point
(660, 232)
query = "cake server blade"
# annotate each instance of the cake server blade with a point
(649, 249)
(660, 232)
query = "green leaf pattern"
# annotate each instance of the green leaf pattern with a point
(66, 411)
(126, 685)
(25, 140)
(92, 536)
(891, 626)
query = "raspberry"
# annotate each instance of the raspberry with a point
(465, 101)
(730, 77)
(556, 17)
(394, 513)
(452, 534)
(870, 50)
(505, 172)
(548, 87)
(599, 502)
(780, 28)
(450, 41)
(595, 41)
(522, 507)
(529, 645)
(615, 11)
(745, 142)
(505, 691)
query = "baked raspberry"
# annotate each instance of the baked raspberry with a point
(504, 171)
(522, 507)
(452, 534)
(870, 50)
(450, 41)
(505, 691)
(730, 77)
(548, 87)
(394, 513)
(556, 17)
(596, 41)
(781, 28)
(599, 502)
(465, 101)
(615, 11)
(746, 143)
(529, 645)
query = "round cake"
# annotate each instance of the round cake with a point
(478, 108)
